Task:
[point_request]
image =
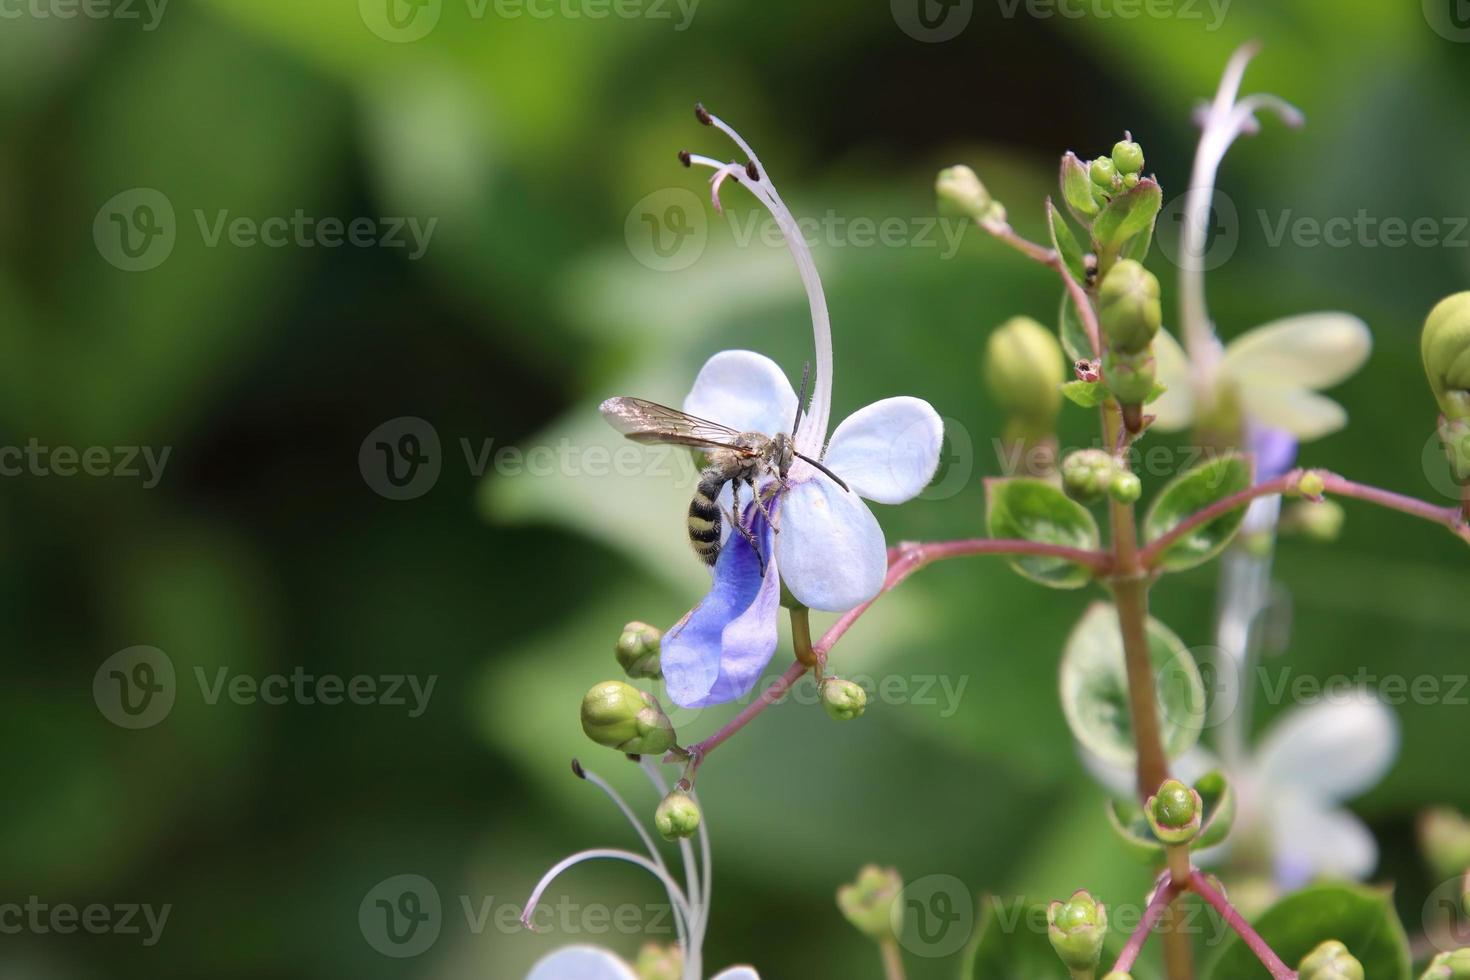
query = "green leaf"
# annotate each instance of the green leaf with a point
(1088, 394)
(1362, 918)
(1094, 687)
(1127, 215)
(1065, 243)
(1074, 335)
(1010, 943)
(1158, 390)
(1127, 819)
(1137, 246)
(1188, 493)
(1034, 510)
(1077, 187)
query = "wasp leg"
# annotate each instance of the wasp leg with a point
(748, 535)
(761, 503)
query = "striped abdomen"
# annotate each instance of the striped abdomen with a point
(704, 516)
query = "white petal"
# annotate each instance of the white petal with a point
(1305, 414)
(581, 963)
(744, 390)
(1174, 409)
(1331, 750)
(1309, 840)
(738, 973)
(830, 549)
(887, 451)
(1314, 350)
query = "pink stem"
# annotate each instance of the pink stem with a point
(767, 698)
(1264, 953)
(1163, 895)
(1049, 257)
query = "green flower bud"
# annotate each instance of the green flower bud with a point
(960, 192)
(1126, 488)
(1087, 474)
(1115, 975)
(843, 700)
(1321, 521)
(618, 715)
(677, 816)
(657, 962)
(867, 901)
(1454, 965)
(1175, 813)
(1103, 173)
(1128, 307)
(1330, 961)
(1130, 181)
(1024, 370)
(1444, 837)
(1130, 377)
(1077, 928)
(1454, 435)
(1310, 485)
(637, 650)
(1127, 157)
(1445, 345)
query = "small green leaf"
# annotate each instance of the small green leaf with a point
(1065, 243)
(1035, 510)
(1094, 688)
(1137, 246)
(1362, 918)
(1077, 187)
(1131, 826)
(1088, 394)
(1074, 335)
(1189, 492)
(1129, 214)
(1157, 392)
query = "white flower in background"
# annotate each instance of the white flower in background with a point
(591, 963)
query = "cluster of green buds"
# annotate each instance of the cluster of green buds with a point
(618, 715)
(677, 816)
(1088, 474)
(961, 194)
(1330, 961)
(637, 651)
(1454, 965)
(1175, 813)
(1077, 929)
(1130, 316)
(843, 700)
(868, 902)
(1118, 172)
(1445, 345)
(1024, 369)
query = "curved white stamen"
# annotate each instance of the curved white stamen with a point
(676, 897)
(812, 437)
(1223, 121)
(613, 795)
(728, 170)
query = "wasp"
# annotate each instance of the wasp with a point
(732, 457)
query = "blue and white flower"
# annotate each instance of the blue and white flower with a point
(822, 542)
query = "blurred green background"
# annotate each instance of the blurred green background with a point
(533, 144)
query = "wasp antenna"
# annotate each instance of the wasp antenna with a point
(806, 374)
(830, 475)
(751, 170)
(701, 113)
(685, 158)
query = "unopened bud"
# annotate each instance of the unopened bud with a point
(1087, 474)
(1319, 521)
(1175, 812)
(843, 700)
(618, 715)
(1311, 485)
(1330, 961)
(960, 192)
(1130, 377)
(657, 962)
(677, 816)
(1127, 157)
(868, 901)
(1454, 965)
(1024, 369)
(1115, 975)
(637, 650)
(1103, 173)
(1126, 488)
(1444, 837)
(1077, 929)
(1128, 307)
(1445, 345)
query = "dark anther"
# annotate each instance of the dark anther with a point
(701, 113)
(751, 171)
(684, 157)
(577, 770)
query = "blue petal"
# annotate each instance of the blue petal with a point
(717, 652)
(1274, 451)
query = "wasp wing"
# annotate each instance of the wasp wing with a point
(646, 421)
